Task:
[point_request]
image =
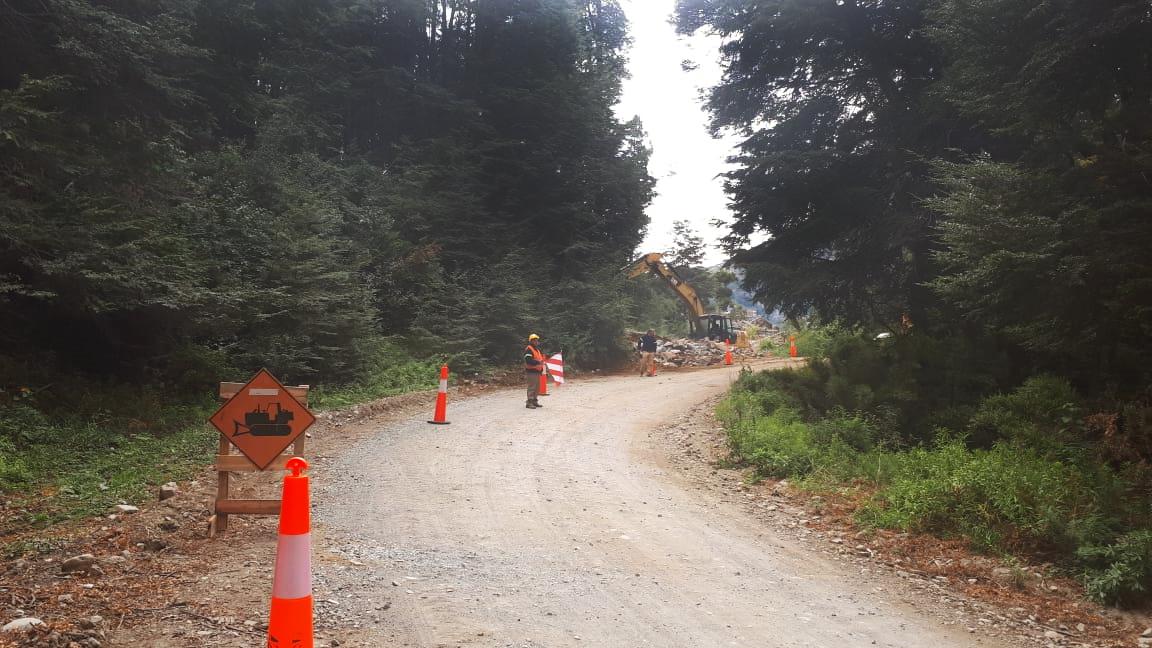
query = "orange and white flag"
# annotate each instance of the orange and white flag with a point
(556, 368)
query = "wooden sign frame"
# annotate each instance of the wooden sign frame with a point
(228, 462)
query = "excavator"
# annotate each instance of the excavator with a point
(701, 323)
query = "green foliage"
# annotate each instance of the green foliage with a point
(981, 167)
(55, 469)
(833, 100)
(1022, 480)
(766, 431)
(13, 470)
(391, 371)
(1002, 498)
(1042, 414)
(1121, 572)
(200, 187)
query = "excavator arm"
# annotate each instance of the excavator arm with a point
(654, 263)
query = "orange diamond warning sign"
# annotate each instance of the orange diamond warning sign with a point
(262, 419)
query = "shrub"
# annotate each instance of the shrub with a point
(777, 445)
(999, 498)
(1121, 572)
(22, 425)
(1042, 413)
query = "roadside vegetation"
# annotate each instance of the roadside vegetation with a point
(75, 449)
(1031, 471)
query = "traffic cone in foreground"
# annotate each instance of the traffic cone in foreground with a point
(727, 352)
(792, 348)
(544, 381)
(290, 621)
(439, 417)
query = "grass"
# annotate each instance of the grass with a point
(59, 468)
(75, 469)
(391, 371)
(1030, 486)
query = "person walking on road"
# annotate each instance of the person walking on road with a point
(533, 369)
(647, 348)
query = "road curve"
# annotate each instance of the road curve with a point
(563, 527)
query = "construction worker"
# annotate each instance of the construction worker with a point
(647, 348)
(533, 368)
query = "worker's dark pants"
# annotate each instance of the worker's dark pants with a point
(533, 378)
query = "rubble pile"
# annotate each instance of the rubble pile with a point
(692, 353)
(686, 352)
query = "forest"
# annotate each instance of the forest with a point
(192, 187)
(955, 196)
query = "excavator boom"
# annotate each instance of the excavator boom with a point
(701, 323)
(654, 263)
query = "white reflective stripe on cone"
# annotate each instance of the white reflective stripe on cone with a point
(293, 574)
(444, 386)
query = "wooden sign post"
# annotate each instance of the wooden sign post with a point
(261, 418)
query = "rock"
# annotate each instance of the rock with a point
(91, 642)
(126, 509)
(1080, 627)
(1147, 632)
(168, 524)
(1003, 575)
(21, 625)
(1052, 634)
(64, 599)
(81, 563)
(168, 491)
(155, 544)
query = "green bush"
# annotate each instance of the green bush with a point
(1025, 475)
(1042, 414)
(1119, 573)
(768, 434)
(390, 370)
(22, 425)
(777, 444)
(1003, 498)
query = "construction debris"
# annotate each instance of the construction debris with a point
(686, 352)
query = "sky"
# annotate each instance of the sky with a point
(685, 158)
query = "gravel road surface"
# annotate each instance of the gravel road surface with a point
(566, 526)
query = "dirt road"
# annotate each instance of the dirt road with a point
(566, 526)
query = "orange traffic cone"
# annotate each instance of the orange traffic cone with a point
(727, 352)
(439, 417)
(544, 381)
(792, 349)
(290, 621)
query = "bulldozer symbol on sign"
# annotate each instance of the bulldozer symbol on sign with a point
(260, 422)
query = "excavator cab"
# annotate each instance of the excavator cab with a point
(716, 328)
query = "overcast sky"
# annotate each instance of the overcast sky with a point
(685, 158)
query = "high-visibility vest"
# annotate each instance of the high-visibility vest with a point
(537, 361)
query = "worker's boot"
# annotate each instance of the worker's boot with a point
(536, 403)
(530, 405)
